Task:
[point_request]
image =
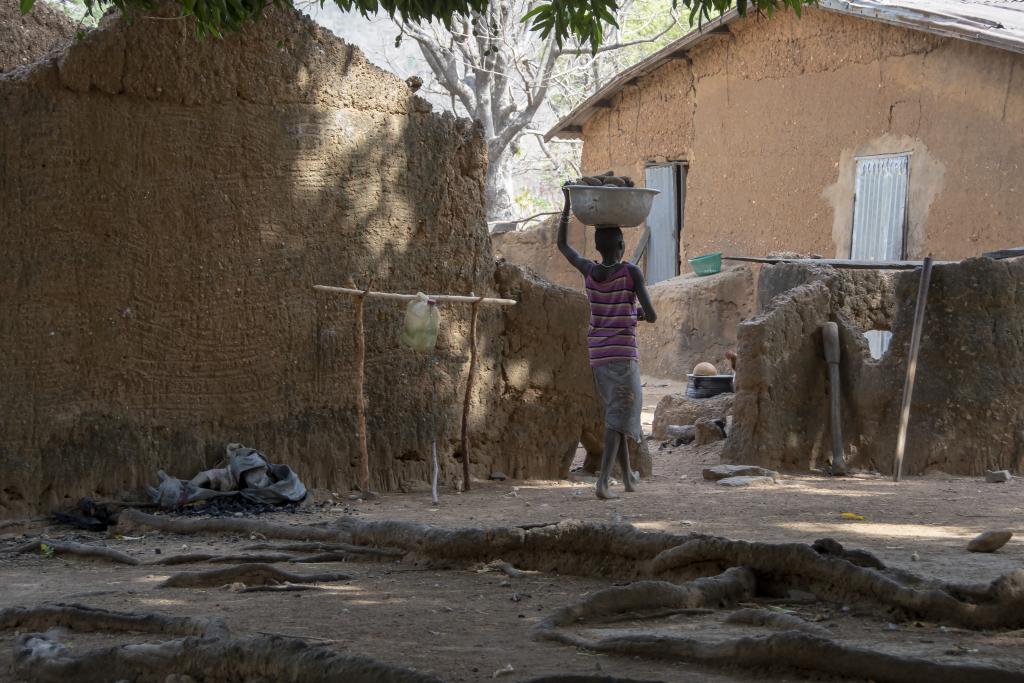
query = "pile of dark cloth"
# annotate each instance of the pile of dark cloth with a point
(248, 475)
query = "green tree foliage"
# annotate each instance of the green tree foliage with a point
(584, 22)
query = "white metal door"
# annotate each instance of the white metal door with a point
(663, 222)
(880, 208)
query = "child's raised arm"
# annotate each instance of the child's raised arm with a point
(571, 255)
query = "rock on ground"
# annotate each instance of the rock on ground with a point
(989, 541)
(998, 477)
(724, 471)
(680, 409)
(707, 431)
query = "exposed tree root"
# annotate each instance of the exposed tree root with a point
(792, 650)
(249, 574)
(659, 614)
(508, 570)
(826, 569)
(346, 556)
(831, 577)
(79, 549)
(319, 548)
(569, 547)
(92, 619)
(752, 616)
(730, 587)
(586, 678)
(39, 659)
(192, 558)
(283, 588)
(136, 519)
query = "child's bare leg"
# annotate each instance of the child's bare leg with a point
(612, 439)
(627, 472)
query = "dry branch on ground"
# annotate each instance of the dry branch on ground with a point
(79, 550)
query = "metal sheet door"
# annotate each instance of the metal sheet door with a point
(663, 222)
(880, 208)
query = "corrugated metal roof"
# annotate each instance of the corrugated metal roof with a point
(996, 23)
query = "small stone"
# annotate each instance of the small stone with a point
(998, 477)
(990, 541)
(914, 557)
(507, 669)
(498, 476)
(505, 584)
(723, 471)
(737, 482)
(238, 514)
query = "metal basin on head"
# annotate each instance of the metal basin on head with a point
(626, 207)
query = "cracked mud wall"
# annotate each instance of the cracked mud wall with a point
(968, 403)
(771, 115)
(167, 206)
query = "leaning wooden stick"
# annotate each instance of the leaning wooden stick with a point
(364, 456)
(469, 393)
(908, 383)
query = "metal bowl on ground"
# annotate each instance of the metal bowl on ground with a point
(706, 386)
(600, 205)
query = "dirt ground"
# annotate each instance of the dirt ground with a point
(466, 625)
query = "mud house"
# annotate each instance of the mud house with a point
(869, 129)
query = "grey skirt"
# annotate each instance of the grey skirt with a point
(618, 385)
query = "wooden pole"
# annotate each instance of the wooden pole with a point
(830, 338)
(469, 393)
(363, 472)
(446, 298)
(908, 383)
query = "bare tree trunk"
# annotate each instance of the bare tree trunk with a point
(497, 191)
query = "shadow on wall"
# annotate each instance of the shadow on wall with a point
(968, 409)
(169, 204)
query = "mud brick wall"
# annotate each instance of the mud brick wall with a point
(167, 205)
(968, 405)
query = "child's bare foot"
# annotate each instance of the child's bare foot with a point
(604, 493)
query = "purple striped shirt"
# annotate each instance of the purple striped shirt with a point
(612, 335)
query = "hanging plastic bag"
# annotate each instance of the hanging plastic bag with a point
(422, 321)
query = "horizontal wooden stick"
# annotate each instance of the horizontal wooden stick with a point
(837, 263)
(449, 298)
